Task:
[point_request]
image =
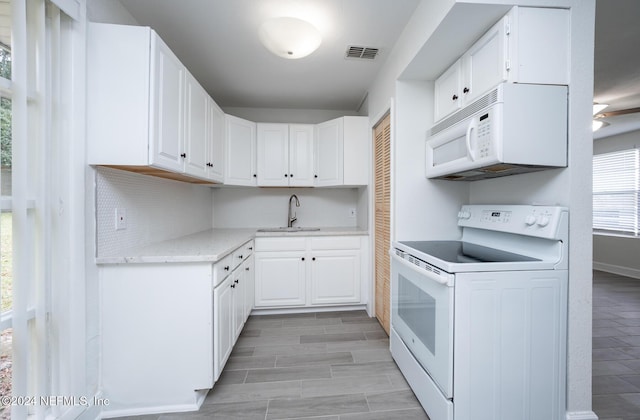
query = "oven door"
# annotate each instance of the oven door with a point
(422, 315)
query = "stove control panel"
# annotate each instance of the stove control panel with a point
(549, 222)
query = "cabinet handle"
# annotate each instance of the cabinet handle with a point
(285, 175)
(250, 248)
(313, 259)
(290, 175)
(233, 286)
(240, 256)
(226, 268)
(246, 269)
(184, 155)
(302, 258)
(465, 90)
(315, 176)
(255, 176)
(236, 281)
(454, 98)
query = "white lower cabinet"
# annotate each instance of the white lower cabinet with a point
(313, 271)
(335, 277)
(280, 278)
(232, 289)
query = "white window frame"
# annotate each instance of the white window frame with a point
(616, 192)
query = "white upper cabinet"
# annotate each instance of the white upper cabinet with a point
(273, 154)
(342, 152)
(196, 134)
(216, 142)
(144, 109)
(329, 153)
(285, 155)
(240, 168)
(301, 165)
(514, 50)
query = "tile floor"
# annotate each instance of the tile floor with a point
(321, 366)
(616, 347)
(337, 366)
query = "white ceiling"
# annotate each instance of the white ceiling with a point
(218, 42)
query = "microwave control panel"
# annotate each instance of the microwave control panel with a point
(484, 135)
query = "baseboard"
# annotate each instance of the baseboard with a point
(307, 309)
(581, 415)
(617, 269)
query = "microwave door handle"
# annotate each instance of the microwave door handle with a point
(471, 130)
(413, 267)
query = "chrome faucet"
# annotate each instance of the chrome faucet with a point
(291, 219)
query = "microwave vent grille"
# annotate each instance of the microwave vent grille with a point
(483, 102)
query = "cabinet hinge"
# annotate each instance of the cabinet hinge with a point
(507, 28)
(507, 65)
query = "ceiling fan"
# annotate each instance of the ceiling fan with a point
(598, 116)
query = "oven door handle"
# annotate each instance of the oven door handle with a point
(446, 281)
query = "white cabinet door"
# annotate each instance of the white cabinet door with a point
(273, 155)
(240, 168)
(167, 99)
(216, 140)
(249, 280)
(357, 150)
(335, 277)
(196, 136)
(447, 91)
(222, 325)
(301, 165)
(280, 279)
(329, 153)
(485, 63)
(238, 286)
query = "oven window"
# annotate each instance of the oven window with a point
(418, 310)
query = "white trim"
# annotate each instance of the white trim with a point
(6, 320)
(72, 8)
(617, 269)
(6, 87)
(582, 415)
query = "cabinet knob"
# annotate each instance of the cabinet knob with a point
(291, 175)
(454, 98)
(240, 256)
(315, 176)
(285, 175)
(250, 248)
(183, 155)
(226, 268)
(246, 269)
(233, 286)
(302, 258)
(465, 90)
(236, 281)
(255, 176)
(313, 259)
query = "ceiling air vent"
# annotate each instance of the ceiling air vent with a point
(363, 53)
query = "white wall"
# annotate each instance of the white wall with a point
(292, 116)
(614, 253)
(267, 207)
(156, 209)
(109, 11)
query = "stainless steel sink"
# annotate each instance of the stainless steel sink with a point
(289, 229)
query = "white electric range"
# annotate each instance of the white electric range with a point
(478, 324)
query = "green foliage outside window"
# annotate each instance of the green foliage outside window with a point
(5, 112)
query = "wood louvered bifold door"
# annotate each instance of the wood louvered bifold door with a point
(382, 228)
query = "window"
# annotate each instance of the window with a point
(616, 188)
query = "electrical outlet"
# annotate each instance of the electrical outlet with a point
(352, 212)
(121, 218)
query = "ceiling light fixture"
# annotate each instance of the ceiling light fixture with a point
(289, 37)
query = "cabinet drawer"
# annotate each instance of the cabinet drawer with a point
(221, 270)
(248, 249)
(238, 256)
(333, 242)
(281, 244)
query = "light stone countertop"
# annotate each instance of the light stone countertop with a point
(210, 246)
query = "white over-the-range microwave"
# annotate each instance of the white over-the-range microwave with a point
(513, 129)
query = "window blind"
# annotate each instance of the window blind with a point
(616, 178)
